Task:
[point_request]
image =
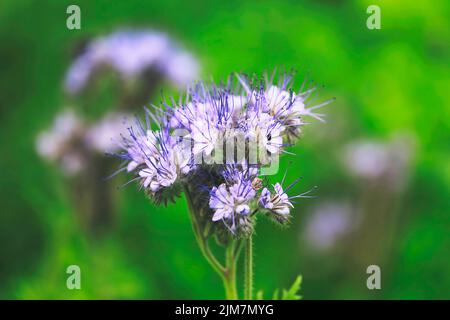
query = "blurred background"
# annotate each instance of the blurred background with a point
(381, 161)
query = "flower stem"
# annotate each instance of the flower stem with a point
(201, 240)
(230, 274)
(227, 272)
(248, 282)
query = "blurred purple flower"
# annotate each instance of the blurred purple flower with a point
(70, 140)
(327, 224)
(386, 161)
(104, 135)
(130, 53)
(58, 143)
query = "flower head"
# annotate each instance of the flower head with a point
(215, 144)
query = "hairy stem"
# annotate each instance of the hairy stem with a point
(201, 240)
(230, 274)
(248, 282)
(227, 272)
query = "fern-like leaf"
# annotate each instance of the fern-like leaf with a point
(292, 292)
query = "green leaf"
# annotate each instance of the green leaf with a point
(260, 295)
(292, 292)
(276, 295)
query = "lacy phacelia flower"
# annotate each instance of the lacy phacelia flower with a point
(227, 202)
(277, 203)
(158, 158)
(131, 53)
(214, 145)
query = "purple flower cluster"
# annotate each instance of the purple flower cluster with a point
(205, 143)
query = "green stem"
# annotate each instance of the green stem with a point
(227, 273)
(229, 278)
(201, 240)
(248, 283)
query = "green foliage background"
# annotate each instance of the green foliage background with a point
(388, 80)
